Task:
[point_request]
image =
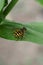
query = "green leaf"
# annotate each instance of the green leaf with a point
(34, 32)
(6, 2)
(7, 29)
(1, 4)
(9, 7)
(40, 1)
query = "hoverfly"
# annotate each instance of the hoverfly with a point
(19, 33)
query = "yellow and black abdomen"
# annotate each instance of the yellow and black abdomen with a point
(19, 33)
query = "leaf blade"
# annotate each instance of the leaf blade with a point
(32, 34)
(1, 4)
(40, 1)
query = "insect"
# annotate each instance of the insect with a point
(19, 33)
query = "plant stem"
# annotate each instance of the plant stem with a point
(9, 7)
